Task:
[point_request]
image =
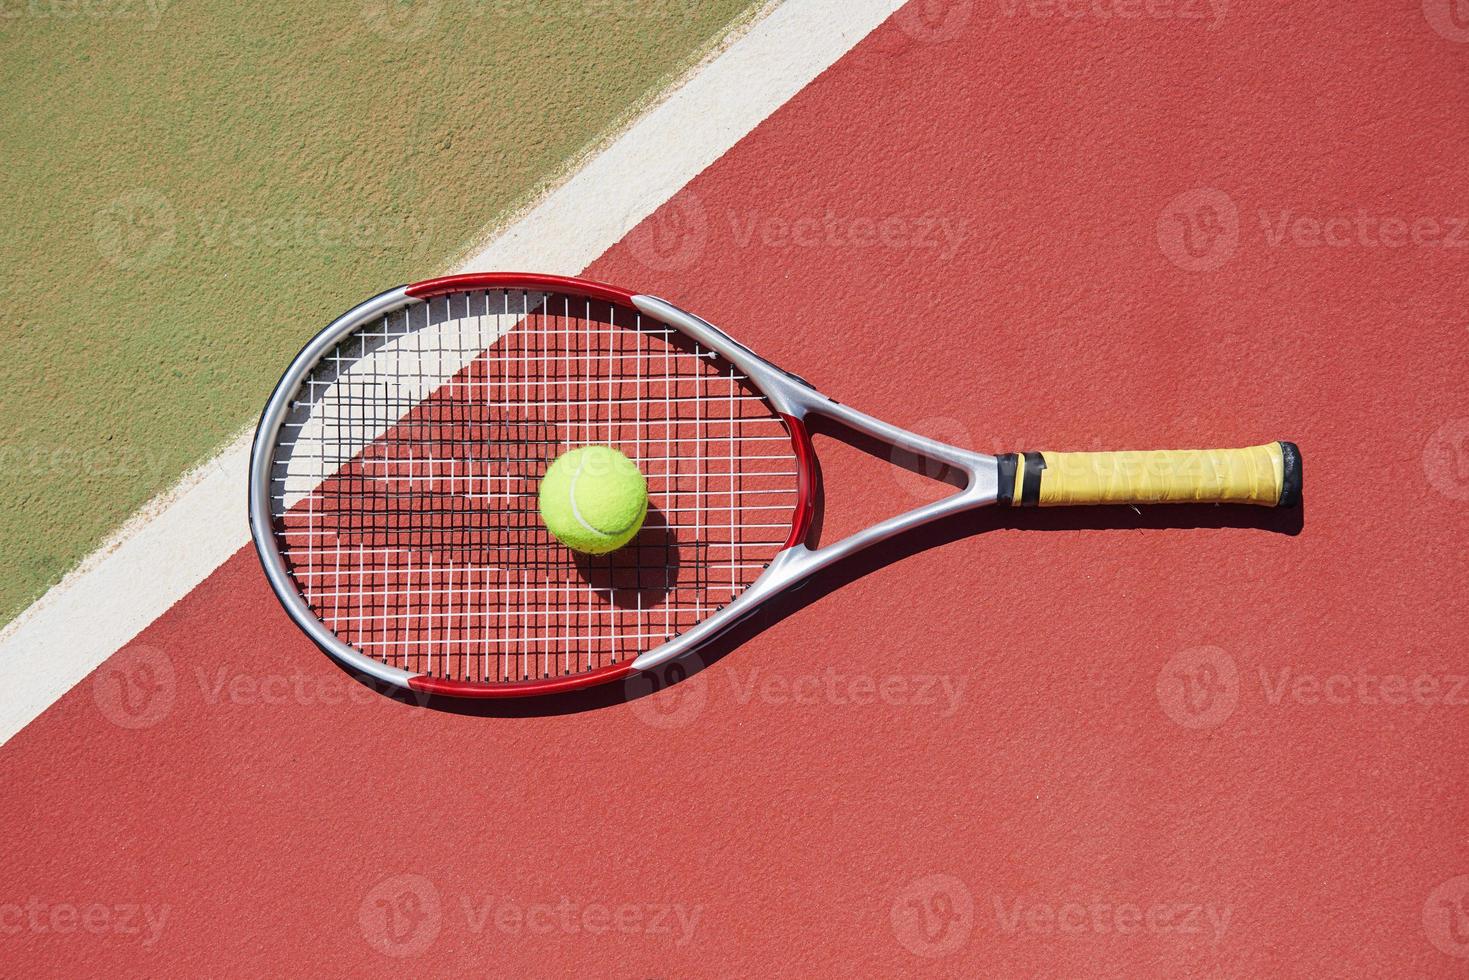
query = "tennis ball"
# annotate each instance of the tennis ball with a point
(594, 499)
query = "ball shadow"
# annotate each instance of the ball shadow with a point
(642, 573)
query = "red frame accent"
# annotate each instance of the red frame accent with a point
(520, 280)
(805, 483)
(519, 689)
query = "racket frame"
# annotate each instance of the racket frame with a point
(790, 396)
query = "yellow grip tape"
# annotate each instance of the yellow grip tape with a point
(1220, 476)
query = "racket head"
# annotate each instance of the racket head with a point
(395, 470)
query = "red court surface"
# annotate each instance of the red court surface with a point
(1203, 741)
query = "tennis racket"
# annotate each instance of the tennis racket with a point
(394, 480)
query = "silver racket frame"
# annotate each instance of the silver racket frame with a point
(792, 397)
(795, 398)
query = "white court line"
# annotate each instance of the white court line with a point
(416, 361)
(170, 546)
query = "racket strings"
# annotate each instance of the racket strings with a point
(407, 481)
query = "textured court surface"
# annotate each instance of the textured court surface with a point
(1189, 742)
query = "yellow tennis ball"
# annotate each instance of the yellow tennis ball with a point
(594, 499)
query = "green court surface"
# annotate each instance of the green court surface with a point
(192, 189)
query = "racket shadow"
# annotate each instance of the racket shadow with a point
(947, 531)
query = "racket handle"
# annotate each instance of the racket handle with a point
(1268, 475)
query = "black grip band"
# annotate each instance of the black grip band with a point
(1290, 484)
(1009, 462)
(1030, 487)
